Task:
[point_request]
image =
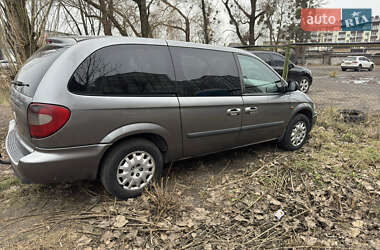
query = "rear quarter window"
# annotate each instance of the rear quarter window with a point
(125, 70)
(36, 67)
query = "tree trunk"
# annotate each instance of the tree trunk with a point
(145, 28)
(251, 37)
(21, 30)
(206, 20)
(187, 30)
(106, 23)
(252, 22)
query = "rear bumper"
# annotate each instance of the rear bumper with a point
(52, 165)
(349, 66)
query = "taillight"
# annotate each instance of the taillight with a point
(46, 119)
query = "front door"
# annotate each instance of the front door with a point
(266, 109)
(209, 94)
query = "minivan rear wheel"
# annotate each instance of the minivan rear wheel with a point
(297, 133)
(130, 167)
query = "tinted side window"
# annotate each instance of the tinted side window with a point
(265, 57)
(258, 77)
(123, 70)
(203, 72)
(277, 60)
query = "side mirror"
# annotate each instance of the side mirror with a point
(293, 86)
(291, 65)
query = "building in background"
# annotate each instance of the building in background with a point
(349, 36)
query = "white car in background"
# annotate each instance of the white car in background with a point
(357, 63)
(4, 64)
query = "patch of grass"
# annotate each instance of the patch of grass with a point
(8, 183)
(164, 199)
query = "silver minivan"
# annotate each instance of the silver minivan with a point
(118, 109)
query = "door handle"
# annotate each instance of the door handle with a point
(250, 109)
(233, 111)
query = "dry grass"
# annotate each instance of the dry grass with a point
(163, 197)
(4, 88)
(329, 191)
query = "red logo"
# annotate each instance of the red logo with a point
(321, 19)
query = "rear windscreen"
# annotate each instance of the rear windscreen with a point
(35, 68)
(350, 58)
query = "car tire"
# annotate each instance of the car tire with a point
(130, 167)
(296, 133)
(343, 69)
(304, 83)
(371, 67)
(359, 68)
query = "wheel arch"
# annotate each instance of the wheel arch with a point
(308, 77)
(304, 109)
(151, 132)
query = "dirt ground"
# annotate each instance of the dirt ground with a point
(350, 89)
(327, 194)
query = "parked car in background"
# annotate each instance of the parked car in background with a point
(5, 64)
(296, 73)
(357, 63)
(113, 109)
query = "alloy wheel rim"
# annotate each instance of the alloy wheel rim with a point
(298, 133)
(304, 84)
(135, 170)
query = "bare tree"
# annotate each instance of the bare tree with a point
(82, 18)
(144, 17)
(106, 12)
(183, 24)
(24, 24)
(206, 21)
(242, 14)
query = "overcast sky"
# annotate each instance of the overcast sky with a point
(372, 4)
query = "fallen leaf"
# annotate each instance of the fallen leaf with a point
(164, 236)
(139, 241)
(107, 237)
(273, 201)
(104, 224)
(354, 232)
(121, 221)
(310, 241)
(358, 223)
(84, 240)
(240, 218)
(367, 186)
(310, 222)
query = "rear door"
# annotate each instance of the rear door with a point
(31, 74)
(266, 109)
(266, 57)
(278, 63)
(209, 94)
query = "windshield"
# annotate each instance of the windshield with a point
(35, 68)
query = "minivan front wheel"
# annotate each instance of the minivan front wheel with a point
(297, 133)
(131, 167)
